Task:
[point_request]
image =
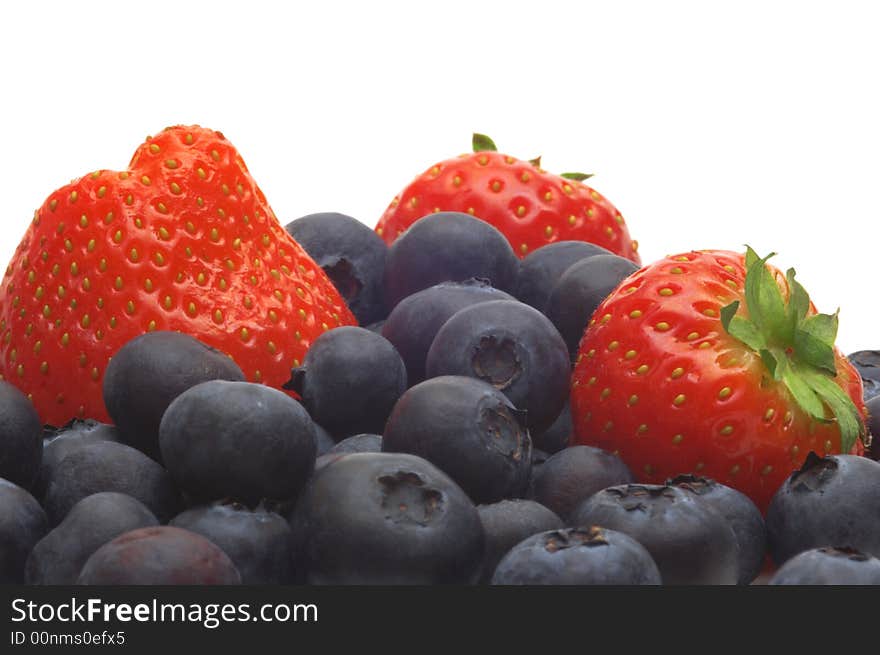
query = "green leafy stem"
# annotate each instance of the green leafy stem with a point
(482, 143)
(797, 349)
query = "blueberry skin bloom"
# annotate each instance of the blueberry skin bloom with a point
(468, 429)
(382, 518)
(513, 347)
(691, 543)
(239, 440)
(448, 246)
(828, 566)
(578, 556)
(829, 501)
(349, 381)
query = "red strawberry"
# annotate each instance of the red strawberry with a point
(183, 240)
(714, 363)
(528, 205)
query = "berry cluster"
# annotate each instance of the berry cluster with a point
(488, 388)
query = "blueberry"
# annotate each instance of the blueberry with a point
(867, 363)
(558, 435)
(573, 474)
(413, 323)
(21, 437)
(351, 254)
(828, 566)
(160, 555)
(359, 443)
(541, 269)
(468, 429)
(829, 501)
(508, 522)
(258, 541)
(59, 556)
(382, 518)
(148, 372)
(240, 440)
(579, 290)
(349, 381)
(109, 466)
(513, 347)
(872, 405)
(59, 442)
(743, 515)
(22, 524)
(448, 246)
(691, 543)
(578, 556)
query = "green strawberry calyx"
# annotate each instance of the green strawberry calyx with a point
(482, 143)
(796, 348)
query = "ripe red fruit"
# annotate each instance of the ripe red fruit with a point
(182, 240)
(530, 206)
(714, 363)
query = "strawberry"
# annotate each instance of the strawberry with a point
(528, 205)
(183, 240)
(715, 363)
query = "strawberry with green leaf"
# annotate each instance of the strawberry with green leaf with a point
(184, 240)
(530, 206)
(715, 363)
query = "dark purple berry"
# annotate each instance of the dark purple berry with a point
(468, 429)
(59, 556)
(389, 519)
(513, 347)
(743, 515)
(578, 556)
(579, 290)
(240, 440)
(830, 501)
(541, 269)
(22, 524)
(867, 363)
(691, 543)
(508, 522)
(59, 442)
(351, 254)
(258, 541)
(448, 246)
(828, 566)
(570, 476)
(161, 555)
(413, 323)
(349, 381)
(21, 437)
(150, 371)
(109, 466)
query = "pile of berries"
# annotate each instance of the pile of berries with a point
(487, 388)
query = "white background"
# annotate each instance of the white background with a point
(709, 125)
